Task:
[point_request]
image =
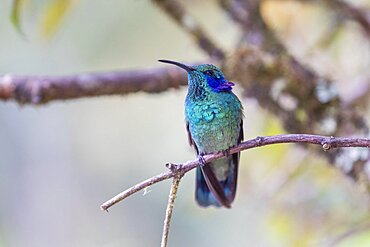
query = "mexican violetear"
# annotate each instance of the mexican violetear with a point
(214, 121)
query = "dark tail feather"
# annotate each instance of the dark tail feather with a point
(210, 191)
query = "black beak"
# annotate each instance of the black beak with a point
(181, 65)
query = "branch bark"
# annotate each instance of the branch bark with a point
(325, 142)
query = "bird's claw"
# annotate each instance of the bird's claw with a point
(226, 153)
(201, 160)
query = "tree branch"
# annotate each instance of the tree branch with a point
(43, 89)
(303, 100)
(178, 13)
(325, 142)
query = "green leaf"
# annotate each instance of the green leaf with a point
(53, 15)
(15, 14)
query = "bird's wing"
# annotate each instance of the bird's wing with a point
(190, 139)
(236, 156)
(235, 164)
(241, 132)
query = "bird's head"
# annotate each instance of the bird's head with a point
(206, 76)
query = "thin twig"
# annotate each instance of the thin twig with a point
(42, 89)
(237, 11)
(325, 142)
(140, 186)
(171, 203)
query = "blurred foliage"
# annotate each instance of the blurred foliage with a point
(15, 13)
(53, 14)
(51, 17)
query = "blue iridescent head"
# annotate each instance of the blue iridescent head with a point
(205, 76)
(215, 78)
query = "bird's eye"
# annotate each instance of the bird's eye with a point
(209, 72)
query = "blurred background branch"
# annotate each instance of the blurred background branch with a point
(303, 100)
(179, 14)
(43, 89)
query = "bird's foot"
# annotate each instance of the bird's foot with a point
(226, 153)
(201, 160)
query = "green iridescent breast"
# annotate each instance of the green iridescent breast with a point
(214, 122)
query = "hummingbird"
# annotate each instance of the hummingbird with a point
(214, 122)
